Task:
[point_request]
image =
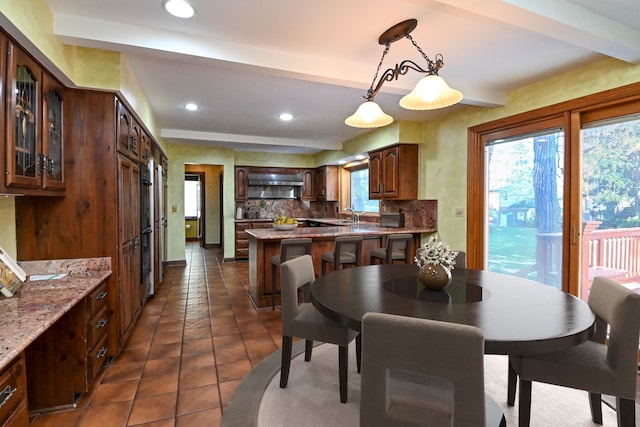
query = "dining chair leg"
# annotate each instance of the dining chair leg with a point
(626, 409)
(524, 409)
(287, 344)
(512, 382)
(308, 348)
(595, 403)
(324, 267)
(359, 352)
(343, 362)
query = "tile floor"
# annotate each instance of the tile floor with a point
(194, 342)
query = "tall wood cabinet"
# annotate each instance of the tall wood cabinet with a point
(393, 172)
(100, 214)
(326, 183)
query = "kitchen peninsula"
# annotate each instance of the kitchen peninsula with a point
(265, 243)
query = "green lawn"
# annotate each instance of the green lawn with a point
(512, 249)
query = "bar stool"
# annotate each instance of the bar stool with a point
(398, 247)
(289, 249)
(346, 250)
(461, 259)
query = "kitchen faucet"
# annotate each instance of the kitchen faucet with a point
(355, 218)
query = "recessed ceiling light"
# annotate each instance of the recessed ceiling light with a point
(285, 117)
(191, 106)
(179, 8)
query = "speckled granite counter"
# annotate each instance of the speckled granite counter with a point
(265, 243)
(38, 304)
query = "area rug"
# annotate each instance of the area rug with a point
(312, 396)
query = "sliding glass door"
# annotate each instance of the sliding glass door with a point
(524, 205)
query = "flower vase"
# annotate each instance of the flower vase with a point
(434, 277)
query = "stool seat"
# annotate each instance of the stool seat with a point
(347, 250)
(289, 249)
(397, 248)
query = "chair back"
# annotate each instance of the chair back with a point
(461, 260)
(294, 274)
(619, 308)
(399, 243)
(347, 244)
(421, 372)
(293, 248)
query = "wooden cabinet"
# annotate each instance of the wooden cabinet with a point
(130, 286)
(393, 172)
(13, 395)
(128, 133)
(63, 361)
(308, 187)
(99, 215)
(326, 183)
(242, 239)
(145, 148)
(241, 183)
(33, 125)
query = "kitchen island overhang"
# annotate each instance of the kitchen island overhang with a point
(264, 243)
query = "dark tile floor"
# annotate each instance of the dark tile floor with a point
(194, 342)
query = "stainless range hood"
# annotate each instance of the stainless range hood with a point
(274, 186)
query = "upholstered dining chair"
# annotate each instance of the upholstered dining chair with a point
(461, 259)
(289, 249)
(603, 365)
(418, 372)
(397, 248)
(346, 250)
(305, 321)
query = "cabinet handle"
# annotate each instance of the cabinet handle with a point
(7, 393)
(102, 353)
(102, 323)
(101, 295)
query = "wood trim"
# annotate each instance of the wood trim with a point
(571, 114)
(176, 263)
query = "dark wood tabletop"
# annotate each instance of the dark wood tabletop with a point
(516, 315)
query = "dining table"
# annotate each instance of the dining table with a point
(516, 315)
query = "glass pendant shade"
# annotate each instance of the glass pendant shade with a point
(368, 115)
(430, 93)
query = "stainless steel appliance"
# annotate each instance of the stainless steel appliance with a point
(274, 186)
(146, 227)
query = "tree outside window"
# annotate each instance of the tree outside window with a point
(360, 192)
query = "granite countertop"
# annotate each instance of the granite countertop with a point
(361, 229)
(38, 304)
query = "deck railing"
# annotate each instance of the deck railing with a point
(613, 253)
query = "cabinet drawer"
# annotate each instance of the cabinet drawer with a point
(20, 417)
(242, 244)
(97, 327)
(13, 389)
(96, 359)
(263, 225)
(243, 226)
(242, 253)
(97, 299)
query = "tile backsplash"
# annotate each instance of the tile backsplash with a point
(270, 208)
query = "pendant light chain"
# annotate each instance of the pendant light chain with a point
(375, 77)
(434, 66)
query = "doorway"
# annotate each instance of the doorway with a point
(194, 207)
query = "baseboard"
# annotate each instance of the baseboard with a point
(176, 263)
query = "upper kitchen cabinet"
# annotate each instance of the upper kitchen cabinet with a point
(393, 172)
(242, 183)
(308, 185)
(145, 148)
(326, 183)
(128, 133)
(33, 126)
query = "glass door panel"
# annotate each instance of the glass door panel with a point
(610, 244)
(524, 206)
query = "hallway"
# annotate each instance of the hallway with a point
(194, 342)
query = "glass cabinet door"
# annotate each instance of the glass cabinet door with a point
(23, 121)
(52, 167)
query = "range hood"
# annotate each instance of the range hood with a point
(275, 179)
(274, 186)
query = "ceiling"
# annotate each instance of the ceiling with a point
(245, 62)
